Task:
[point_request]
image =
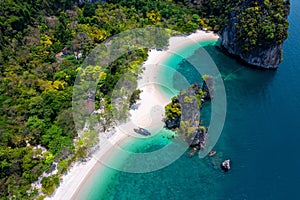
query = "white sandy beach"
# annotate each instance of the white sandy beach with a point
(149, 114)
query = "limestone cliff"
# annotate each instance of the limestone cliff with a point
(183, 113)
(252, 30)
(256, 31)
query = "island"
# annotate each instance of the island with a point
(256, 31)
(183, 113)
(252, 31)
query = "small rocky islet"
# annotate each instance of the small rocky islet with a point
(183, 114)
(184, 117)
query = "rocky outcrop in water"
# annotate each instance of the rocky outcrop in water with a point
(184, 108)
(190, 104)
(199, 140)
(268, 58)
(256, 31)
(208, 87)
(183, 113)
(251, 30)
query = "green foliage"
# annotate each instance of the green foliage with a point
(81, 152)
(205, 77)
(55, 140)
(19, 167)
(89, 10)
(89, 138)
(199, 96)
(202, 128)
(134, 97)
(188, 99)
(262, 24)
(63, 166)
(41, 197)
(49, 158)
(49, 184)
(173, 110)
(163, 13)
(214, 14)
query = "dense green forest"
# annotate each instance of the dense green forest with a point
(36, 120)
(262, 23)
(37, 83)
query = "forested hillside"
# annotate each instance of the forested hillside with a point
(40, 45)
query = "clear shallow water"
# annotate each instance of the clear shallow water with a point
(261, 136)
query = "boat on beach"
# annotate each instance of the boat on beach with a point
(142, 131)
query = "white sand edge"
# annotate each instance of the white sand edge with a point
(152, 103)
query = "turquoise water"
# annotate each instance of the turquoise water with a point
(261, 136)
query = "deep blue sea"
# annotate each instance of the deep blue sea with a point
(261, 136)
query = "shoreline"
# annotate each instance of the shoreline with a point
(151, 106)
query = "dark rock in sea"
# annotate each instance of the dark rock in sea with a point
(200, 138)
(208, 87)
(226, 165)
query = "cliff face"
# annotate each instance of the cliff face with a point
(208, 87)
(268, 58)
(189, 109)
(190, 106)
(184, 113)
(254, 35)
(252, 30)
